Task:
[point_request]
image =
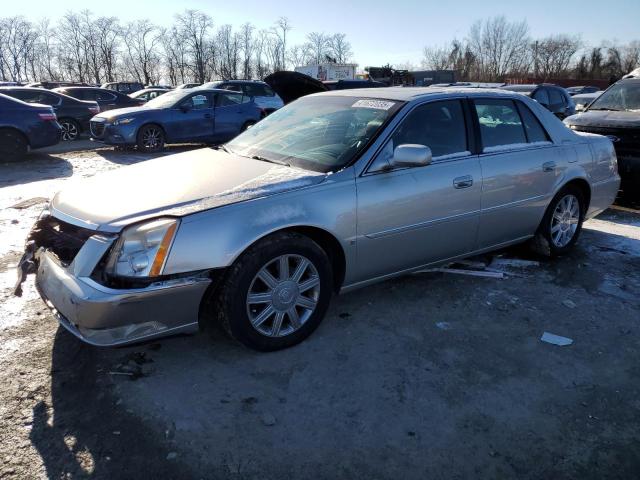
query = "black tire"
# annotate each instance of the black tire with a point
(151, 138)
(230, 301)
(70, 129)
(247, 125)
(545, 240)
(13, 146)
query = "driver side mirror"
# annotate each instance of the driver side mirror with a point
(411, 155)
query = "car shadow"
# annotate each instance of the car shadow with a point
(85, 432)
(34, 168)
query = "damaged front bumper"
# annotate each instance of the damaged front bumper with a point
(104, 316)
(64, 259)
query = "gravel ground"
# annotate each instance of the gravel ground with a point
(429, 376)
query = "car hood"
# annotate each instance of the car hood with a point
(175, 185)
(604, 118)
(124, 112)
(292, 85)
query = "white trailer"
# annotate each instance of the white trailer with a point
(329, 71)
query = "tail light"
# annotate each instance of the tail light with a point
(48, 117)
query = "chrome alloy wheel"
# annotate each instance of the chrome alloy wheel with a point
(564, 221)
(69, 131)
(151, 138)
(283, 295)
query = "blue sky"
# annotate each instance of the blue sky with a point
(393, 31)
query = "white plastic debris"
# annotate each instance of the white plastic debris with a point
(556, 339)
(568, 303)
(473, 273)
(443, 325)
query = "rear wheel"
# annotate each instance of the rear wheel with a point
(70, 129)
(13, 146)
(562, 223)
(151, 139)
(277, 293)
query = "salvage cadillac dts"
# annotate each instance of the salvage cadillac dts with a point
(332, 192)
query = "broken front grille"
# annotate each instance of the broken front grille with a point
(62, 239)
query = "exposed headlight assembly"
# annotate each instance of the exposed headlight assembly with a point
(123, 121)
(142, 250)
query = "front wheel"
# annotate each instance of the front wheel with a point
(277, 293)
(562, 222)
(151, 139)
(247, 126)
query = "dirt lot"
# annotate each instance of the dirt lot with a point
(429, 376)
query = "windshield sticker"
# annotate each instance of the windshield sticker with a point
(377, 104)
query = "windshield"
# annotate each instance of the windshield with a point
(620, 97)
(166, 100)
(322, 133)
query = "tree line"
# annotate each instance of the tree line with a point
(496, 49)
(83, 47)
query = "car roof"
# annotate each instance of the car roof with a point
(406, 94)
(237, 81)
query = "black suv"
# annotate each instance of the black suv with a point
(123, 87)
(616, 114)
(73, 114)
(107, 99)
(552, 97)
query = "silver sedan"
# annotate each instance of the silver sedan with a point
(330, 193)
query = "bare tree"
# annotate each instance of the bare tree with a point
(142, 40)
(317, 46)
(500, 47)
(245, 38)
(552, 55)
(340, 48)
(281, 28)
(195, 27)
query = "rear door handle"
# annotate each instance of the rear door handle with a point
(463, 182)
(548, 166)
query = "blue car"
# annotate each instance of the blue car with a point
(179, 116)
(25, 126)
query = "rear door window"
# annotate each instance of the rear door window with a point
(232, 87)
(534, 129)
(258, 90)
(105, 96)
(541, 96)
(555, 97)
(227, 99)
(500, 124)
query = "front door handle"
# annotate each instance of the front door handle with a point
(463, 182)
(548, 166)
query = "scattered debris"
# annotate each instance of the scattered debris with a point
(116, 432)
(568, 303)
(129, 374)
(30, 202)
(172, 456)
(344, 315)
(268, 419)
(473, 273)
(555, 339)
(443, 325)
